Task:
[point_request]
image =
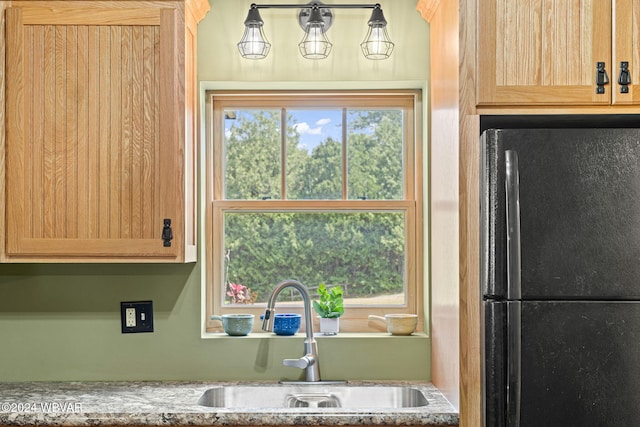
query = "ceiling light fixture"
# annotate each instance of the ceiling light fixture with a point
(315, 19)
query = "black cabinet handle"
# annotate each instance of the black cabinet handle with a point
(601, 77)
(167, 233)
(624, 79)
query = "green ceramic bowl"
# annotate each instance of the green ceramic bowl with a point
(236, 324)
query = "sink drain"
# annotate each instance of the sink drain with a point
(312, 400)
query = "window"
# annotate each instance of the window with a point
(318, 187)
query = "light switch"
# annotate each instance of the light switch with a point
(136, 316)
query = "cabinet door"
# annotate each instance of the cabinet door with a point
(627, 41)
(92, 166)
(543, 52)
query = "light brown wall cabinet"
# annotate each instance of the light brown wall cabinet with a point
(546, 52)
(101, 134)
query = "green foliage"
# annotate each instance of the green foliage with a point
(361, 251)
(252, 156)
(375, 155)
(330, 303)
(321, 173)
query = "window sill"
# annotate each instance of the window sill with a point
(317, 336)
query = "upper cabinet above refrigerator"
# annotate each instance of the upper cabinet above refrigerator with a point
(558, 53)
(100, 145)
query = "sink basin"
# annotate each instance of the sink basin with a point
(312, 396)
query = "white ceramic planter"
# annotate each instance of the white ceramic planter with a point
(329, 325)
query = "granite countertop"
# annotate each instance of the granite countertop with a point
(176, 404)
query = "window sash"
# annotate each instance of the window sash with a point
(355, 318)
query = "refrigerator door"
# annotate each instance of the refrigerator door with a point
(494, 373)
(579, 213)
(579, 365)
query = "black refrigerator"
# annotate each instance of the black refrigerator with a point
(560, 277)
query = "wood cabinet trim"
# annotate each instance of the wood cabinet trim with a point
(88, 16)
(14, 118)
(427, 8)
(198, 9)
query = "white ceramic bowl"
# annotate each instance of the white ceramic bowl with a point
(398, 323)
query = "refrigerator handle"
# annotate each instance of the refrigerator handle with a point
(512, 184)
(514, 362)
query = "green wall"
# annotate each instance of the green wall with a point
(62, 321)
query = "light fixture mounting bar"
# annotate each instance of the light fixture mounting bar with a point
(325, 10)
(315, 4)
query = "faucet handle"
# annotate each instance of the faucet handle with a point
(302, 363)
(267, 320)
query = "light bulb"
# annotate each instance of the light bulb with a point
(254, 44)
(315, 44)
(377, 44)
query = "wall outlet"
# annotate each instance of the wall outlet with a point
(136, 316)
(130, 317)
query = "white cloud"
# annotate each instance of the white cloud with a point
(304, 128)
(323, 122)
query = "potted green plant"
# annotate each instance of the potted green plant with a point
(330, 307)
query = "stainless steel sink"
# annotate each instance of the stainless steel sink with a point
(312, 396)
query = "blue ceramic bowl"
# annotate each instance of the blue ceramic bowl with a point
(286, 323)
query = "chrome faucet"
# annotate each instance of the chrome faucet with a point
(309, 362)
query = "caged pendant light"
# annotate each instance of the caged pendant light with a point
(315, 44)
(254, 44)
(315, 19)
(377, 44)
